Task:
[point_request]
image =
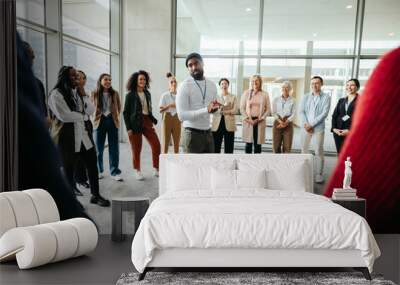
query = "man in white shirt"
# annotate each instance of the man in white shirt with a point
(196, 99)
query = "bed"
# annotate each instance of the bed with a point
(247, 211)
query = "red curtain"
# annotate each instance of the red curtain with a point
(374, 147)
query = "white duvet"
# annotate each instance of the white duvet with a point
(253, 218)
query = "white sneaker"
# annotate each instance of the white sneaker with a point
(139, 175)
(101, 175)
(117, 178)
(319, 179)
(155, 173)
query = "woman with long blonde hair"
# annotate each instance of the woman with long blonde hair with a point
(254, 107)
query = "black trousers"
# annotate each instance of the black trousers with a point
(338, 142)
(223, 134)
(249, 146)
(88, 156)
(80, 172)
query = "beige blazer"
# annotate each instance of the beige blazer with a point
(247, 130)
(115, 109)
(229, 116)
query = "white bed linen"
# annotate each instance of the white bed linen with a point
(252, 218)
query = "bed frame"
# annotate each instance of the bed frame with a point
(246, 259)
(260, 259)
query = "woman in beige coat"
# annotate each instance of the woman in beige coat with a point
(223, 125)
(254, 107)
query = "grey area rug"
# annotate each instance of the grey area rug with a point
(229, 278)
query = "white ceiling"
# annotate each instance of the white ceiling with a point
(291, 20)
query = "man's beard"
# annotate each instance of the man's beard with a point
(198, 75)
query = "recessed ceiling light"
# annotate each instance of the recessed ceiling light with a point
(315, 34)
(349, 6)
(391, 34)
(248, 9)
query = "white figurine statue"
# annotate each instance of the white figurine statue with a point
(347, 174)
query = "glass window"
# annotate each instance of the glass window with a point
(31, 10)
(278, 70)
(90, 61)
(36, 41)
(381, 31)
(365, 70)
(88, 21)
(307, 27)
(217, 27)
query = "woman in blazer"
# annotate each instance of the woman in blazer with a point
(254, 107)
(343, 113)
(106, 124)
(223, 122)
(139, 120)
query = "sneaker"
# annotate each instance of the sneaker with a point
(155, 172)
(84, 184)
(100, 201)
(77, 191)
(319, 179)
(139, 175)
(101, 175)
(117, 178)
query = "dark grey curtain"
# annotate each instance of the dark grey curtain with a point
(8, 98)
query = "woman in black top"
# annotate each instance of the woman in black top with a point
(343, 113)
(139, 120)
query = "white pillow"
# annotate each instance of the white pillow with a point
(291, 178)
(192, 175)
(223, 179)
(251, 179)
(289, 174)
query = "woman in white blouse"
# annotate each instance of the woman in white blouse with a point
(283, 110)
(171, 125)
(70, 108)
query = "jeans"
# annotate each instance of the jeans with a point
(107, 128)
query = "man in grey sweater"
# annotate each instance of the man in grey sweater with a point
(195, 101)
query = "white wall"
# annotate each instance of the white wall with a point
(147, 44)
